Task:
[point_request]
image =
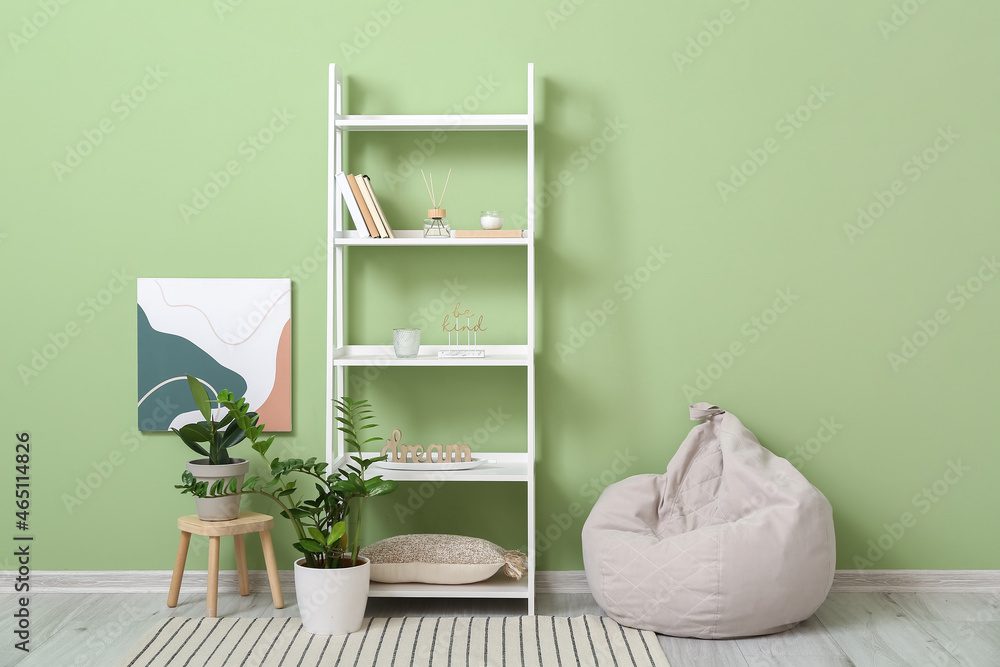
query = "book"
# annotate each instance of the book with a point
(366, 191)
(352, 205)
(366, 194)
(489, 233)
(378, 207)
(365, 213)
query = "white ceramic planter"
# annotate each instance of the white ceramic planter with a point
(218, 509)
(332, 602)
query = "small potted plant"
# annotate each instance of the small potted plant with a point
(331, 580)
(217, 473)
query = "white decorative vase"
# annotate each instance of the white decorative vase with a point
(332, 602)
(218, 509)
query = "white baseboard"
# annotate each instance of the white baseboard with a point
(916, 581)
(142, 581)
(844, 581)
(561, 582)
(555, 582)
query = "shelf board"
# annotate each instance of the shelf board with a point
(383, 355)
(509, 467)
(415, 237)
(497, 586)
(443, 122)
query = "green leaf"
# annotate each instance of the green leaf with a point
(249, 483)
(232, 435)
(195, 447)
(217, 487)
(311, 545)
(317, 534)
(247, 421)
(350, 486)
(231, 487)
(200, 397)
(380, 487)
(197, 432)
(336, 532)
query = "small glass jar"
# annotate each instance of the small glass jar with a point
(437, 227)
(406, 343)
(491, 219)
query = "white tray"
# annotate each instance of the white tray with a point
(461, 465)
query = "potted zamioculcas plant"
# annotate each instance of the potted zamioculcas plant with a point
(217, 475)
(331, 580)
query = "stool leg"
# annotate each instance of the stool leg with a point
(272, 569)
(213, 575)
(175, 580)
(241, 565)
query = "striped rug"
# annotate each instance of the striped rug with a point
(511, 641)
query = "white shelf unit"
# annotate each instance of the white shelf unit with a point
(497, 586)
(517, 467)
(382, 355)
(433, 123)
(415, 237)
(499, 467)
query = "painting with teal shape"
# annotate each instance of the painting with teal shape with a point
(231, 334)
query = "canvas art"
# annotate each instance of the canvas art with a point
(231, 334)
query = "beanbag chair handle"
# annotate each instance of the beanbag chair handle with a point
(702, 411)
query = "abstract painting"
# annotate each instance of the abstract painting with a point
(231, 334)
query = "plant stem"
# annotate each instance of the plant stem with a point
(357, 532)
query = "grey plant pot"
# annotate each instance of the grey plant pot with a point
(218, 509)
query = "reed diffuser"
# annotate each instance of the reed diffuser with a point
(436, 223)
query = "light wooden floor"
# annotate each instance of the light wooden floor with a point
(849, 629)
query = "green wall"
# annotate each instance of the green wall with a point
(739, 137)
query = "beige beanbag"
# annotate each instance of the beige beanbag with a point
(731, 541)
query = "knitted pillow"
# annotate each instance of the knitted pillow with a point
(440, 559)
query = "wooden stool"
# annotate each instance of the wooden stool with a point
(247, 522)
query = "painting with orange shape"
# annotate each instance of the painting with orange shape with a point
(276, 411)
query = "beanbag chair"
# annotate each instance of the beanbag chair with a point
(731, 541)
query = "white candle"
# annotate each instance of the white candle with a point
(491, 222)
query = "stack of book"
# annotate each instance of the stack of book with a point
(363, 206)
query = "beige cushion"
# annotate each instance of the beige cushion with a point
(440, 559)
(731, 541)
